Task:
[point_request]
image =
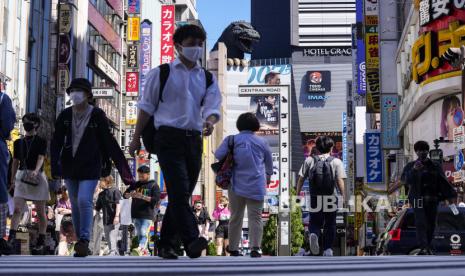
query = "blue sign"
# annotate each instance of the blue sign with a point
(257, 73)
(133, 6)
(373, 158)
(145, 59)
(344, 140)
(360, 58)
(458, 161)
(132, 166)
(390, 121)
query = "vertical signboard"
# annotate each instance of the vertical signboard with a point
(145, 52)
(372, 56)
(132, 84)
(133, 57)
(373, 157)
(64, 54)
(133, 29)
(360, 57)
(167, 31)
(390, 121)
(131, 112)
(133, 6)
(344, 140)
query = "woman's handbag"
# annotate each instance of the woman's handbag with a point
(224, 167)
(27, 177)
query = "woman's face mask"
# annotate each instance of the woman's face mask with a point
(77, 97)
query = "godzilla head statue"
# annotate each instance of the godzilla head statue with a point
(238, 37)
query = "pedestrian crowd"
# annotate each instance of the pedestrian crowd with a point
(180, 105)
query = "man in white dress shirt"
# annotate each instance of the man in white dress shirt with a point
(188, 109)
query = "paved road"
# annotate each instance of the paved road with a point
(360, 266)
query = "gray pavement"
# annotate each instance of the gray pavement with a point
(360, 266)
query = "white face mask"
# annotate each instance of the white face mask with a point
(192, 53)
(77, 97)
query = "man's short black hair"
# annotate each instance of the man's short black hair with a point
(421, 146)
(189, 30)
(324, 144)
(32, 117)
(143, 169)
(247, 121)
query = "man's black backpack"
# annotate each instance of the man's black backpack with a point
(148, 134)
(321, 177)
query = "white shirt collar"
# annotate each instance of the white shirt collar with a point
(177, 62)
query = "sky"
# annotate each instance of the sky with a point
(216, 15)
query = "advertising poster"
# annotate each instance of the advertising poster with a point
(133, 6)
(390, 121)
(131, 112)
(132, 84)
(360, 59)
(309, 145)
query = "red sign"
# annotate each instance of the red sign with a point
(167, 31)
(132, 84)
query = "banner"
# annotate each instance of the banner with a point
(133, 61)
(373, 157)
(167, 31)
(133, 29)
(372, 56)
(133, 6)
(390, 121)
(145, 52)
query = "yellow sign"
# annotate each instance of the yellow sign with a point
(430, 46)
(133, 28)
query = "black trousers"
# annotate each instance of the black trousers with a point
(425, 222)
(180, 158)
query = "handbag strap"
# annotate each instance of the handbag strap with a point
(231, 145)
(28, 149)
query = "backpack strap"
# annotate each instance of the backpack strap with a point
(209, 82)
(164, 74)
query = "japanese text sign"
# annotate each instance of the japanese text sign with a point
(373, 158)
(167, 30)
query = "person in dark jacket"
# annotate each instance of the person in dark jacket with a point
(427, 186)
(81, 147)
(7, 122)
(145, 196)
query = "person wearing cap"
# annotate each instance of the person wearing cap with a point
(80, 150)
(145, 196)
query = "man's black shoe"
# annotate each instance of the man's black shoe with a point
(255, 253)
(38, 250)
(81, 248)
(195, 248)
(234, 253)
(5, 247)
(167, 253)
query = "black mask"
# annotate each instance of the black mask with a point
(28, 126)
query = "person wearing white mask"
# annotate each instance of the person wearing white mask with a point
(80, 151)
(184, 100)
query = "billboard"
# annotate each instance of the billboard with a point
(167, 31)
(319, 81)
(145, 52)
(309, 138)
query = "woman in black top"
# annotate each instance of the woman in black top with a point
(28, 159)
(202, 217)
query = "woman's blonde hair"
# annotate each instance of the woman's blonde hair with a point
(107, 181)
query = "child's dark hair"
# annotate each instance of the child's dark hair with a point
(189, 30)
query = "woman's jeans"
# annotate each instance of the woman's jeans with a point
(81, 193)
(142, 230)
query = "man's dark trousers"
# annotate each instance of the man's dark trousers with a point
(323, 219)
(180, 158)
(425, 221)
